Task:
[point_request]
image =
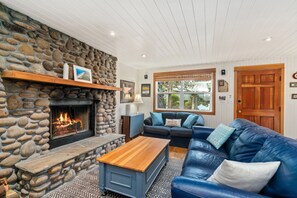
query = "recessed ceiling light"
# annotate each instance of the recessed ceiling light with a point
(268, 39)
(143, 55)
(112, 33)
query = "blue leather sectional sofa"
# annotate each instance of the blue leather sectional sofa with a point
(179, 136)
(249, 143)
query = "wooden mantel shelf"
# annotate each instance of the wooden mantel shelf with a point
(53, 80)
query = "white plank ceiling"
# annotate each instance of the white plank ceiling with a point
(173, 32)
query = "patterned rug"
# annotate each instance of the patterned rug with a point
(86, 184)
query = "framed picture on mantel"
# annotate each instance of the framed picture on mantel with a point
(82, 74)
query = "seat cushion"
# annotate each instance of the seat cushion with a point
(284, 182)
(200, 164)
(160, 130)
(204, 145)
(180, 132)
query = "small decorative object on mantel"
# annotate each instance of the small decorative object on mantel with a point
(294, 96)
(82, 74)
(145, 90)
(293, 84)
(66, 71)
(294, 75)
(223, 86)
(128, 93)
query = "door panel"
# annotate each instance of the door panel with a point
(258, 96)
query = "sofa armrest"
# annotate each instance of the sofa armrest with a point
(201, 132)
(148, 121)
(189, 188)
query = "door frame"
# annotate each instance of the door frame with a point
(280, 66)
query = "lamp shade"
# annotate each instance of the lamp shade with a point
(138, 98)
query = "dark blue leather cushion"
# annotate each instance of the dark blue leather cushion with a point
(160, 130)
(181, 132)
(284, 182)
(239, 125)
(168, 115)
(249, 143)
(204, 145)
(183, 116)
(200, 164)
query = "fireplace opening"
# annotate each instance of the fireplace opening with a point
(70, 121)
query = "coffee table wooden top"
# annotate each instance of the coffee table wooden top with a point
(135, 155)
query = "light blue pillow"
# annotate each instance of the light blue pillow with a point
(190, 121)
(220, 135)
(157, 119)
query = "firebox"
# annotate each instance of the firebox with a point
(70, 121)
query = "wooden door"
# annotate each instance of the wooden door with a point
(259, 95)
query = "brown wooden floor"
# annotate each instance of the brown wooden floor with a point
(177, 152)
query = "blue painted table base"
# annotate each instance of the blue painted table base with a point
(129, 182)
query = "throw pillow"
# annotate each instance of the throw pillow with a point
(190, 121)
(220, 135)
(157, 119)
(250, 177)
(173, 122)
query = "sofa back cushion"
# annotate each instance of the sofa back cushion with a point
(168, 115)
(284, 182)
(240, 125)
(249, 142)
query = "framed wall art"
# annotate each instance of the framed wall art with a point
(128, 93)
(82, 74)
(145, 90)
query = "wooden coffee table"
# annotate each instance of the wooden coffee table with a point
(131, 169)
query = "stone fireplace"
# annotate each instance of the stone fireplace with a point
(70, 121)
(37, 118)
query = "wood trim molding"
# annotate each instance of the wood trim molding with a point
(11, 74)
(260, 67)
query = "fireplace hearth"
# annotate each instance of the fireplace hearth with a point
(70, 121)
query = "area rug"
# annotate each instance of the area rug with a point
(86, 185)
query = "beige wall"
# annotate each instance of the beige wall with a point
(224, 110)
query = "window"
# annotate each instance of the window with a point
(192, 90)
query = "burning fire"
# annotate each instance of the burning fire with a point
(64, 121)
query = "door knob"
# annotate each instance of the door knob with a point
(239, 111)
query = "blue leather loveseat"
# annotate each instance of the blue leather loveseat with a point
(179, 136)
(248, 143)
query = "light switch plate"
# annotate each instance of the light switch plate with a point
(293, 84)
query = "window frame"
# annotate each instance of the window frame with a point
(186, 72)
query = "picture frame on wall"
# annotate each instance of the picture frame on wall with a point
(82, 74)
(128, 93)
(145, 90)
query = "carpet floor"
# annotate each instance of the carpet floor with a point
(86, 184)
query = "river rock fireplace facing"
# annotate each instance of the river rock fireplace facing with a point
(70, 121)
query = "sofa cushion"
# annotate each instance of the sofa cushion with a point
(251, 177)
(183, 116)
(173, 122)
(284, 182)
(199, 164)
(239, 125)
(220, 135)
(168, 115)
(249, 143)
(160, 130)
(204, 145)
(181, 132)
(156, 119)
(190, 121)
